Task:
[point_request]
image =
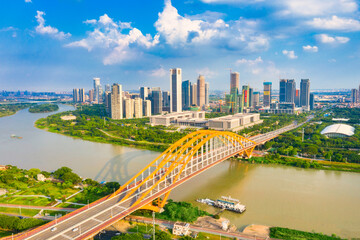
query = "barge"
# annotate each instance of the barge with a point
(226, 203)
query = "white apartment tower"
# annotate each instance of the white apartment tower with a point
(128, 108)
(116, 102)
(175, 90)
(97, 87)
(138, 108)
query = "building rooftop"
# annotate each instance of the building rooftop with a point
(343, 129)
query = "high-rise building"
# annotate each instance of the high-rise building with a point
(234, 82)
(297, 97)
(138, 107)
(207, 94)
(193, 94)
(290, 91)
(144, 93)
(312, 103)
(96, 89)
(201, 91)
(166, 101)
(91, 95)
(82, 95)
(107, 88)
(256, 99)
(305, 93)
(267, 94)
(147, 108)
(185, 86)
(108, 103)
(128, 108)
(116, 105)
(354, 95)
(282, 93)
(245, 96)
(175, 90)
(156, 101)
(76, 96)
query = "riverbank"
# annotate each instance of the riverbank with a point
(304, 163)
(44, 108)
(8, 109)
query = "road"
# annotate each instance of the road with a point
(37, 207)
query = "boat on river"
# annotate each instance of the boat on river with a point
(226, 203)
(14, 136)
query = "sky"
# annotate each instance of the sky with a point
(58, 45)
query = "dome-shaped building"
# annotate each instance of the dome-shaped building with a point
(338, 130)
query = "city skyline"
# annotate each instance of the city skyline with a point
(43, 49)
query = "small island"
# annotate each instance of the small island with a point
(7, 109)
(44, 108)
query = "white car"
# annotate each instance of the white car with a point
(53, 229)
(75, 229)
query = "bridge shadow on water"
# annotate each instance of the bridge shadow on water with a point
(118, 169)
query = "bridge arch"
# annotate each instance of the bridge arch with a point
(184, 159)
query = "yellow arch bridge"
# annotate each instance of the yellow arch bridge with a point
(185, 159)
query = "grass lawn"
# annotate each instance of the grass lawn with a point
(33, 201)
(24, 211)
(48, 189)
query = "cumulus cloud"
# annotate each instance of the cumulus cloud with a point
(324, 38)
(336, 23)
(249, 62)
(316, 7)
(179, 31)
(309, 48)
(159, 72)
(289, 54)
(119, 46)
(48, 30)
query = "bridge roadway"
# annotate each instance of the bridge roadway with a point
(87, 221)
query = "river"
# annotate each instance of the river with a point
(323, 201)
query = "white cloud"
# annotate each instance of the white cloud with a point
(309, 48)
(249, 62)
(289, 54)
(206, 72)
(159, 72)
(324, 38)
(28, 1)
(48, 30)
(335, 23)
(318, 7)
(118, 46)
(179, 31)
(332, 60)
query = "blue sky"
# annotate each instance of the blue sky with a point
(62, 44)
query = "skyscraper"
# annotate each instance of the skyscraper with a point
(282, 93)
(166, 101)
(354, 95)
(234, 82)
(91, 95)
(290, 91)
(147, 108)
(312, 103)
(185, 86)
(201, 91)
(156, 101)
(107, 88)
(96, 89)
(82, 95)
(267, 94)
(144, 93)
(245, 96)
(128, 108)
(175, 90)
(256, 99)
(207, 93)
(138, 107)
(76, 95)
(116, 102)
(108, 103)
(297, 97)
(193, 94)
(305, 93)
